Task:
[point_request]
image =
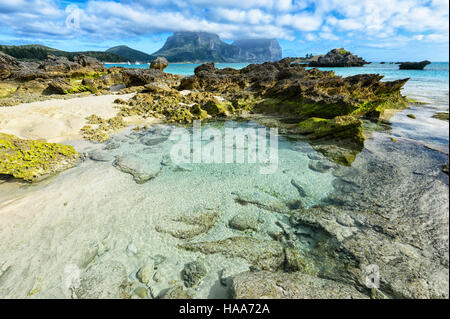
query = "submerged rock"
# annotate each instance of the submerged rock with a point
(193, 272)
(187, 226)
(264, 254)
(244, 222)
(278, 285)
(33, 160)
(141, 169)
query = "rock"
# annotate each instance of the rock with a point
(145, 273)
(176, 292)
(160, 63)
(7, 65)
(244, 222)
(193, 273)
(299, 188)
(320, 166)
(441, 116)
(338, 58)
(225, 277)
(412, 116)
(187, 226)
(131, 250)
(445, 168)
(102, 280)
(414, 65)
(152, 141)
(34, 160)
(141, 170)
(141, 292)
(100, 156)
(137, 77)
(89, 62)
(59, 86)
(278, 285)
(263, 254)
(58, 64)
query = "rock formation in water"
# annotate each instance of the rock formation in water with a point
(413, 65)
(338, 58)
(160, 63)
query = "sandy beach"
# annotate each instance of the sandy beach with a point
(58, 120)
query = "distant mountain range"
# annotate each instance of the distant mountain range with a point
(194, 47)
(208, 47)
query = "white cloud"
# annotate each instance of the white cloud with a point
(378, 21)
(301, 21)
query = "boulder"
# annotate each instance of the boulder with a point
(160, 63)
(89, 62)
(414, 65)
(58, 86)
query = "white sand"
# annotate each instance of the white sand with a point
(58, 120)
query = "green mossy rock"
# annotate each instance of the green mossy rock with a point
(33, 160)
(345, 127)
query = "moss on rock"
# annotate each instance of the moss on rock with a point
(33, 160)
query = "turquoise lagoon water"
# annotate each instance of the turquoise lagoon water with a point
(95, 222)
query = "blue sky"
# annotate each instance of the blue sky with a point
(378, 30)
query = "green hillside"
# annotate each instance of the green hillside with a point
(39, 52)
(130, 54)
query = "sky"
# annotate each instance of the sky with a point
(377, 30)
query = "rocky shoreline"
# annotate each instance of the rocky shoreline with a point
(316, 251)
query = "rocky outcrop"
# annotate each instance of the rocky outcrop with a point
(160, 63)
(7, 65)
(279, 285)
(53, 66)
(338, 58)
(413, 65)
(33, 160)
(141, 77)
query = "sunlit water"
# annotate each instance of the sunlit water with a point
(95, 214)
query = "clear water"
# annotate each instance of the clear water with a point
(95, 214)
